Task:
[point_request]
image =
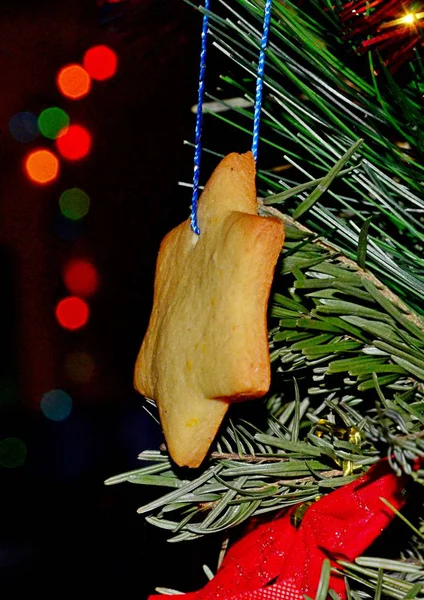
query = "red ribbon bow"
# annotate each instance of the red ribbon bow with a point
(276, 561)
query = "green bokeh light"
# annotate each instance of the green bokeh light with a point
(13, 453)
(74, 204)
(52, 121)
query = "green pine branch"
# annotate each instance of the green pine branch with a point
(319, 99)
(348, 375)
(346, 326)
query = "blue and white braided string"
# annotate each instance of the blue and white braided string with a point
(200, 95)
(260, 79)
(199, 120)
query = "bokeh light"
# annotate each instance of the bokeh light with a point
(66, 229)
(79, 366)
(73, 81)
(81, 277)
(72, 313)
(23, 127)
(75, 143)
(41, 166)
(100, 62)
(56, 405)
(13, 453)
(74, 204)
(53, 121)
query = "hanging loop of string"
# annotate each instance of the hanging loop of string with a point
(200, 95)
(260, 79)
(199, 119)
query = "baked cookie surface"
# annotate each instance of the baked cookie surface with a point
(207, 340)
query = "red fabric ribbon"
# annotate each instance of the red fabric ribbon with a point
(276, 561)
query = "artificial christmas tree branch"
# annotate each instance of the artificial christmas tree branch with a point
(317, 105)
(346, 328)
(336, 352)
(265, 209)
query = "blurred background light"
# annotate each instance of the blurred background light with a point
(79, 366)
(100, 62)
(81, 277)
(13, 452)
(75, 143)
(73, 81)
(41, 166)
(23, 127)
(53, 121)
(72, 313)
(56, 405)
(74, 204)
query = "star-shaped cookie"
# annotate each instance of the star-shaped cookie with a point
(207, 341)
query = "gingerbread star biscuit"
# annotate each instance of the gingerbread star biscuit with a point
(207, 341)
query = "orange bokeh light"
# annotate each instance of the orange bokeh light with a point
(41, 166)
(100, 62)
(72, 313)
(81, 277)
(74, 143)
(73, 81)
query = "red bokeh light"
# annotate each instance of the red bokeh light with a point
(72, 313)
(81, 277)
(74, 143)
(100, 62)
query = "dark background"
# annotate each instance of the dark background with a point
(61, 529)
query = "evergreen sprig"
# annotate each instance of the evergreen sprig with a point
(346, 330)
(319, 99)
(348, 375)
